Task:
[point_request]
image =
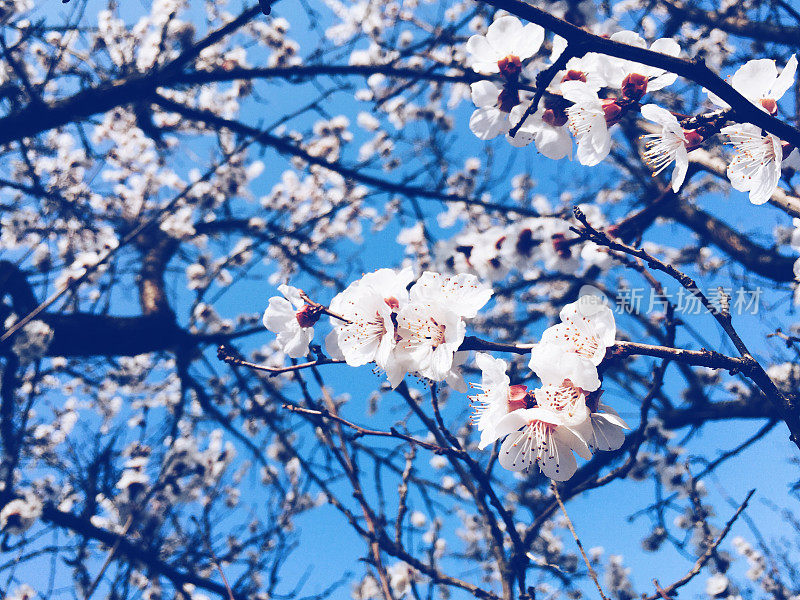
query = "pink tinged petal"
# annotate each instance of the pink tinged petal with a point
(484, 58)
(487, 123)
(484, 93)
(557, 462)
(528, 42)
(784, 80)
(502, 34)
(754, 78)
(681, 168)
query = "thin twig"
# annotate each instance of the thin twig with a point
(592, 572)
(109, 558)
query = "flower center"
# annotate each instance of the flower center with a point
(769, 105)
(508, 99)
(553, 118)
(634, 86)
(510, 66)
(308, 315)
(573, 75)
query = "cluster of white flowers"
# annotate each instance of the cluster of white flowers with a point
(379, 319)
(402, 328)
(582, 99)
(544, 426)
(20, 514)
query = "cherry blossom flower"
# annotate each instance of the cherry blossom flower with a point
(292, 320)
(573, 349)
(494, 104)
(672, 144)
(497, 398)
(539, 436)
(635, 79)
(756, 166)
(566, 399)
(589, 119)
(506, 43)
(371, 305)
(758, 81)
(429, 335)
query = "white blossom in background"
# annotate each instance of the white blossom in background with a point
(20, 514)
(756, 164)
(288, 318)
(32, 341)
(22, 592)
(506, 43)
(758, 81)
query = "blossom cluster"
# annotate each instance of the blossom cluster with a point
(593, 92)
(546, 425)
(377, 318)
(382, 318)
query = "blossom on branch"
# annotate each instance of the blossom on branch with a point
(758, 81)
(636, 79)
(506, 43)
(292, 319)
(756, 166)
(672, 144)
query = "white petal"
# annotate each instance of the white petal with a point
(558, 463)
(503, 33)
(487, 123)
(483, 56)
(681, 168)
(657, 114)
(484, 93)
(754, 78)
(528, 42)
(784, 80)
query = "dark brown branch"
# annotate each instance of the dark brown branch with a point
(693, 70)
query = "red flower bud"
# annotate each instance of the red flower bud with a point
(693, 138)
(612, 111)
(508, 99)
(517, 397)
(561, 245)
